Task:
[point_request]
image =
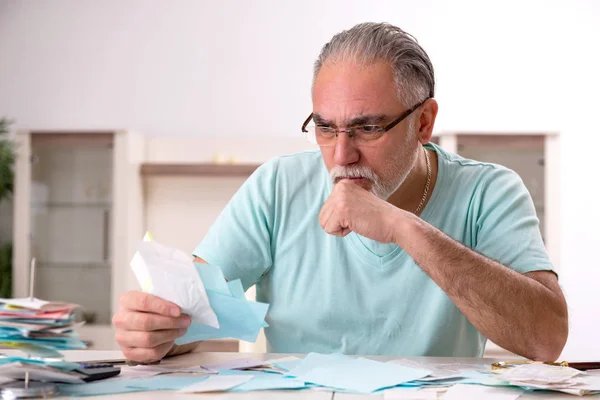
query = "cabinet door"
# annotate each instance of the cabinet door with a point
(524, 154)
(71, 205)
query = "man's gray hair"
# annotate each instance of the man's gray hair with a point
(372, 42)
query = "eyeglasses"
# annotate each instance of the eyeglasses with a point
(363, 135)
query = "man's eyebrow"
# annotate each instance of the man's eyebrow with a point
(370, 119)
(322, 121)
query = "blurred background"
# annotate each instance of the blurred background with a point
(137, 116)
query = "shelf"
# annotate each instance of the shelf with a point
(203, 169)
(73, 264)
(71, 205)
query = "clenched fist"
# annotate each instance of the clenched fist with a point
(146, 326)
(350, 208)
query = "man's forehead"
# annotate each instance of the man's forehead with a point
(342, 95)
(364, 118)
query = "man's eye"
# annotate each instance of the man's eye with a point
(369, 129)
(327, 130)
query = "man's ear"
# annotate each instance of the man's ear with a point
(426, 120)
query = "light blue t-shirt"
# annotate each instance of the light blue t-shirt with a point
(353, 295)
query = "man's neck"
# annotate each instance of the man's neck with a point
(410, 193)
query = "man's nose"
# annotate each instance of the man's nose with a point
(345, 151)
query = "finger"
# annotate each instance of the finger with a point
(329, 222)
(333, 226)
(141, 321)
(147, 354)
(146, 302)
(325, 213)
(147, 339)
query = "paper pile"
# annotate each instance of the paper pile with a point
(38, 327)
(218, 308)
(50, 371)
(345, 374)
(549, 377)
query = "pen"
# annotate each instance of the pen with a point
(582, 365)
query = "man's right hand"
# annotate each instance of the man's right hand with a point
(146, 326)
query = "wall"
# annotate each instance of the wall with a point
(243, 68)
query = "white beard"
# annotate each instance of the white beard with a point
(392, 176)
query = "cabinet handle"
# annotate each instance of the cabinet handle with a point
(105, 239)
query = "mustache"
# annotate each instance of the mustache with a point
(338, 173)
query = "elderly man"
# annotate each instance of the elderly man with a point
(379, 242)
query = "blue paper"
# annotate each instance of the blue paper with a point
(287, 365)
(115, 386)
(212, 278)
(112, 386)
(481, 378)
(264, 381)
(162, 382)
(54, 343)
(238, 319)
(62, 365)
(236, 289)
(315, 360)
(274, 382)
(358, 375)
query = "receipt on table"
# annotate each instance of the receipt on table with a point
(170, 274)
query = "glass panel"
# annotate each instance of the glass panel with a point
(71, 204)
(527, 160)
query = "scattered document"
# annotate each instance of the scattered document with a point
(539, 373)
(39, 372)
(440, 371)
(413, 393)
(359, 375)
(217, 384)
(146, 371)
(242, 363)
(115, 386)
(478, 392)
(39, 305)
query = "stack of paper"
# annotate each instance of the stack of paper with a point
(38, 327)
(218, 308)
(549, 377)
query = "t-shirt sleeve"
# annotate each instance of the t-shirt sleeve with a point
(507, 227)
(239, 241)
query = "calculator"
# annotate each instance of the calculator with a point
(97, 371)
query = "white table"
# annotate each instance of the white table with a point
(199, 358)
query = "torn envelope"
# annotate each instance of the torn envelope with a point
(170, 274)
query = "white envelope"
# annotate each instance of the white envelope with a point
(170, 274)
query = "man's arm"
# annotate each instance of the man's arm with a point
(523, 313)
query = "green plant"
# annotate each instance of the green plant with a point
(7, 160)
(6, 270)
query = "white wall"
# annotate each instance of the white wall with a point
(239, 68)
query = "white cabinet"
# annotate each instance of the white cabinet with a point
(65, 215)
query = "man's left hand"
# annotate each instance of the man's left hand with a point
(350, 208)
